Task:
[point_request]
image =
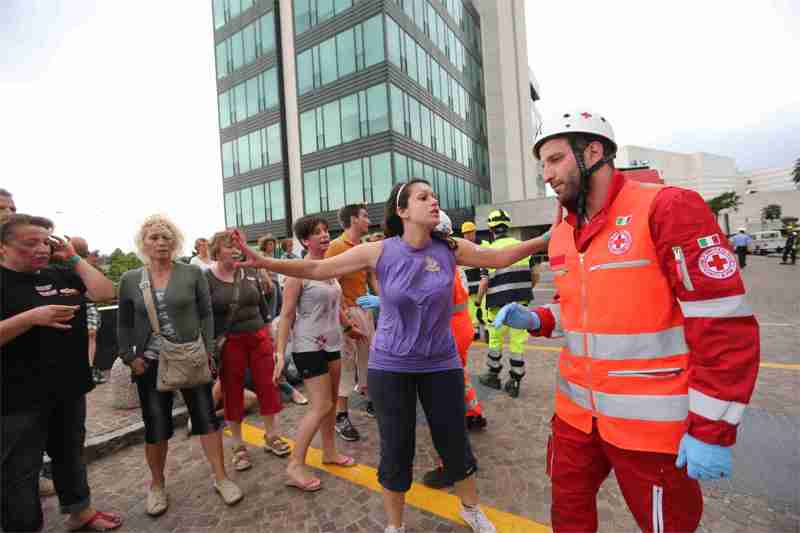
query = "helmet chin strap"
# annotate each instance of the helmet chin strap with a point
(585, 174)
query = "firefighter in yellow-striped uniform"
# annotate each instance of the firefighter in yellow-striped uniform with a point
(503, 286)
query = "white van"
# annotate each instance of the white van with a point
(765, 242)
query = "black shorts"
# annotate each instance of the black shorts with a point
(394, 395)
(314, 364)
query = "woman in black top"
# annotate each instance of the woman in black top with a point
(45, 373)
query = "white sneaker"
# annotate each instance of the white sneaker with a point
(392, 529)
(475, 519)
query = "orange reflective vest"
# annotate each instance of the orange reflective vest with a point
(625, 357)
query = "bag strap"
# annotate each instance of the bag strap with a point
(149, 303)
(238, 276)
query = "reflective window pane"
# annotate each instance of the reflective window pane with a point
(350, 130)
(224, 110)
(252, 96)
(249, 41)
(398, 117)
(277, 204)
(346, 53)
(227, 159)
(301, 15)
(256, 155)
(274, 152)
(400, 168)
(271, 88)
(308, 131)
(311, 191)
(341, 5)
(235, 8)
(268, 33)
(425, 125)
(411, 58)
(393, 41)
(324, 10)
(222, 60)
(239, 102)
(244, 154)
(305, 72)
(259, 205)
(413, 117)
(373, 40)
(378, 107)
(335, 187)
(246, 197)
(381, 177)
(230, 210)
(327, 55)
(333, 130)
(219, 14)
(237, 50)
(422, 60)
(353, 182)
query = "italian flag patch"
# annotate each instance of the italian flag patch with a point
(709, 240)
(623, 221)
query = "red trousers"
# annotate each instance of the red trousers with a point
(661, 497)
(253, 350)
(464, 333)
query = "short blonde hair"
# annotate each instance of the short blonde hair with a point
(149, 223)
(219, 238)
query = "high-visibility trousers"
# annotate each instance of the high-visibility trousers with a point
(517, 338)
(661, 497)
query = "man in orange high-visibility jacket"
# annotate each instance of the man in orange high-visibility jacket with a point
(661, 348)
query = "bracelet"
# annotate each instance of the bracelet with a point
(546, 236)
(74, 260)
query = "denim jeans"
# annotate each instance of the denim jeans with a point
(57, 427)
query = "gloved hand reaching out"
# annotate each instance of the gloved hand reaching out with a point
(704, 461)
(368, 301)
(518, 317)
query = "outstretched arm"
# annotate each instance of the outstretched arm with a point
(470, 254)
(357, 258)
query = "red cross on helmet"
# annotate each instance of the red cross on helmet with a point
(575, 121)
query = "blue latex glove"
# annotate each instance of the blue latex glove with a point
(518, 317)
(368, 301)
(703, 460)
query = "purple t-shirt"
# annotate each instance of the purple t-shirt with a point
(413, 332)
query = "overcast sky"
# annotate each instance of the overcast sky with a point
(108, 108)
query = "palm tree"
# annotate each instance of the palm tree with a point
(771, 212)
(726, 200)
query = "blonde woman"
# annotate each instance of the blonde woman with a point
(183, 306)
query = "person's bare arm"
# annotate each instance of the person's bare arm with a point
(372, 283)
(470, 254)
(358, 258)
(54, 316)
(98, 287)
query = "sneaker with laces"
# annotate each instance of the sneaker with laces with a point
(475, 519)
(345, 428)
(370, 410)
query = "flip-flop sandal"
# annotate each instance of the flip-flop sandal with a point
(302, 401)
(91, 525)
(313, 485)
(344, 463)
(241, 459)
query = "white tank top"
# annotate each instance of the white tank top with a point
(316, 326)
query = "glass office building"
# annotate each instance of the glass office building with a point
(328, 102)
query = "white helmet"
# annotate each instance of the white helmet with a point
(575, 121)
(445, 225)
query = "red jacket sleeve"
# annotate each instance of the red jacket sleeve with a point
(550, 317)
(721, 332)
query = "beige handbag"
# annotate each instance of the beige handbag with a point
(180, 365)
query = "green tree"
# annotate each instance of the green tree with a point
(771, 212)
(726, 200)
(120, 262)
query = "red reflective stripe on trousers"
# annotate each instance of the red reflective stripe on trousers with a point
(579, 463)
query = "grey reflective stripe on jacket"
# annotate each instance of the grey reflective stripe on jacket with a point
(618, 347)
(654, 408)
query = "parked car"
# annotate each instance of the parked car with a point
(765, 242)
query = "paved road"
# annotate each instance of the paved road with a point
(761, 496)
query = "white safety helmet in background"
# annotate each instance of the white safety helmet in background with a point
(576, 121)
(445, 225)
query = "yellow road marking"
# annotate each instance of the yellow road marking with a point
(434, 501)
(784, 366)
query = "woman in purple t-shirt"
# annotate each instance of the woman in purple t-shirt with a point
(413, 353)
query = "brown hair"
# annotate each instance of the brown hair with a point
(348, 212)
(398, 199)
(262, 241)
(305, 227)
(19, 219)
(219, 238)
